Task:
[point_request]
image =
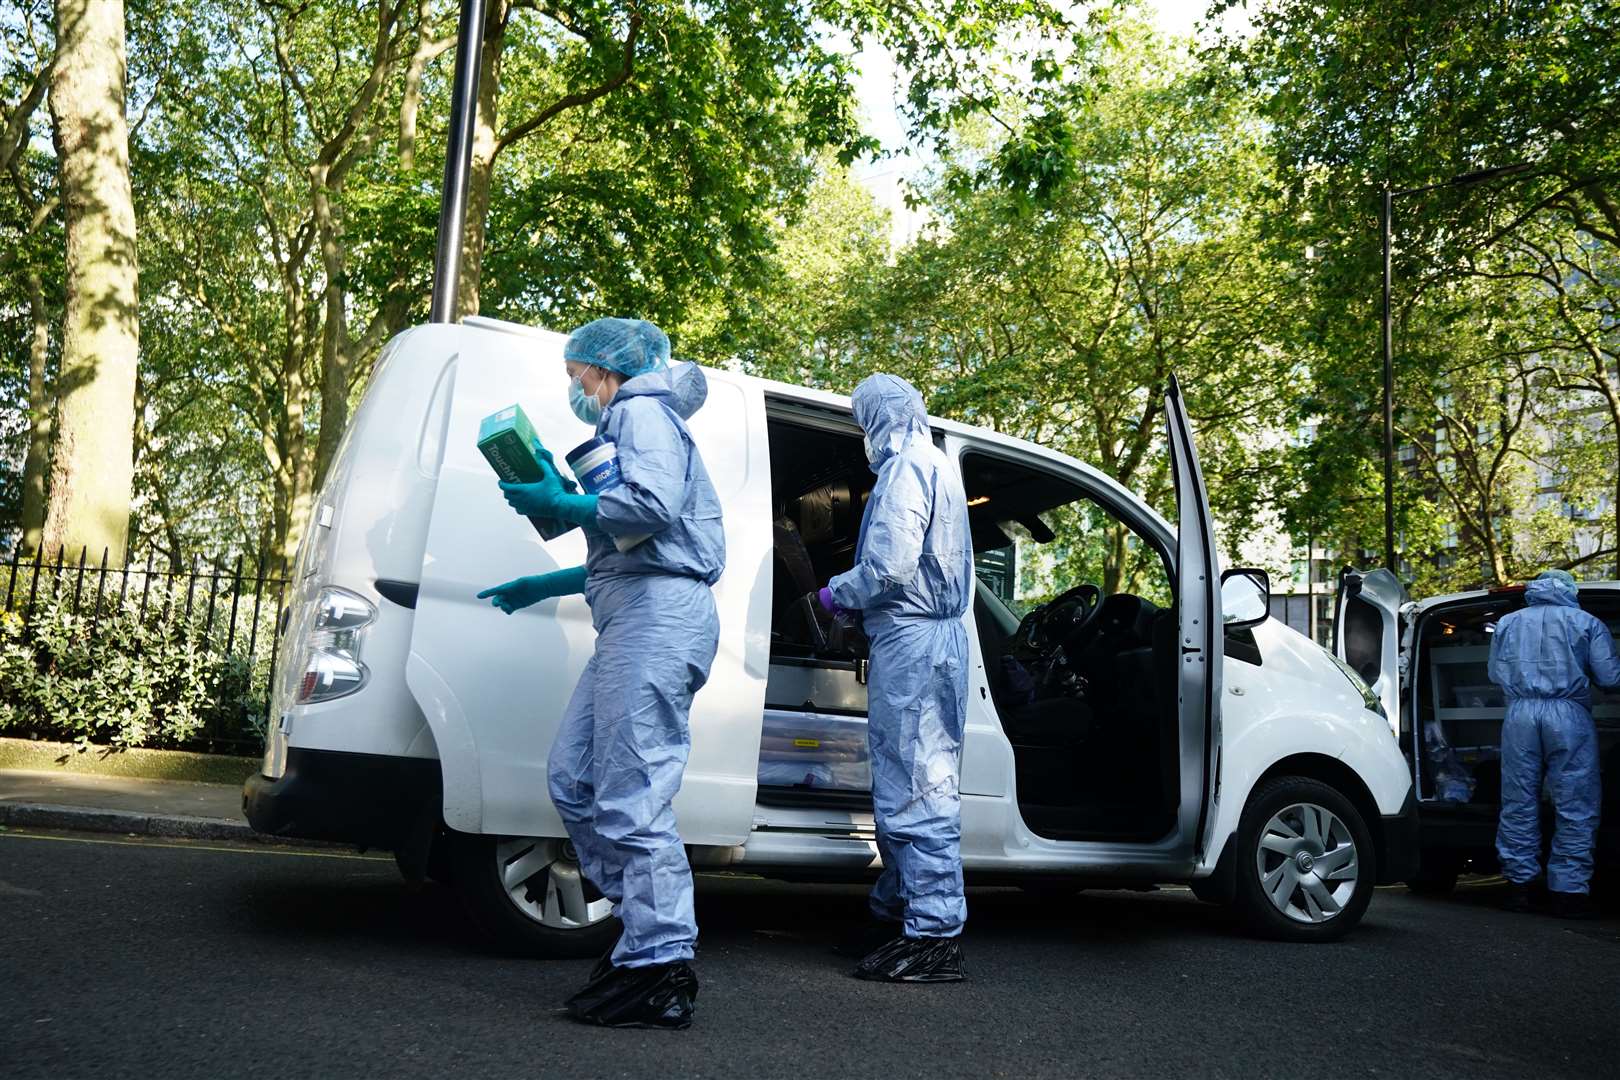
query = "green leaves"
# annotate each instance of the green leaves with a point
(1037, 160)
(1490, 279)
(1125, 243)
(126, 677)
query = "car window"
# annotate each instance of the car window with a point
(1089, 545)
(1036, 536)
(1363, 638)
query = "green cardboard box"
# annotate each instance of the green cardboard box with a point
(507, 441)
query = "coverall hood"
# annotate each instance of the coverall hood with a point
(1548, 589)
(690, 388)
(683, 388)
(891, 412)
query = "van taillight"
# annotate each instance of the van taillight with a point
(332, 666)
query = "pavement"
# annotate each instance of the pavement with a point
(146, 956)
(58, 799)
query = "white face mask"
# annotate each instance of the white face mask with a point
(871, 451)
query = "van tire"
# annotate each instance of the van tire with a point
(514, 924)
(1284, 798)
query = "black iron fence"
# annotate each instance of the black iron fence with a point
(157, 652)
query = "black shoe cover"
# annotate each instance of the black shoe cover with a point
(604, 966)
(1573, 906)
(861, 942)
(1518, 899)
(914, 960)
(660, 996)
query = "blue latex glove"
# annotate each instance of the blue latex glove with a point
(529, 499)
(550, 464)
(536, 587)
(550, 499)
(578, 509)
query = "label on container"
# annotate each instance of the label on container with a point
(596, 466)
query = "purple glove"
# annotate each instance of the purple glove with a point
(825, 598)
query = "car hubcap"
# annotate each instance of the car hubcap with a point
(1307, 863)
(547, 886)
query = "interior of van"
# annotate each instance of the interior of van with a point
(1082, 679)
(1456, 744)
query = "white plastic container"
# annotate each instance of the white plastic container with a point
(595, 463)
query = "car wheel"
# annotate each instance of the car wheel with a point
(1437, 873)
(529, 896)
(1306, 865)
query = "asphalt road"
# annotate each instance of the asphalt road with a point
(172, 959)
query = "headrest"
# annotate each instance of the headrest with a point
(825, 513)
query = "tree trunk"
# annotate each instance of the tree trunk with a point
(481, 173)
(1493, 552)
(39, 421)
(291, 499)
(292, 475)
(92, 470)
(1114, 570)
(335, 346)
(1611, 399)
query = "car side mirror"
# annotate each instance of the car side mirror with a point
(1245, 597)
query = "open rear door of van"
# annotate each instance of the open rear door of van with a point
(494, 686)
(1366, 632)
(1199, 633)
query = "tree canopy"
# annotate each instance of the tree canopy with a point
(1502, 286)
(1104, 206)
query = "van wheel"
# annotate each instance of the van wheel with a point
(1306, 866)
(528, 895)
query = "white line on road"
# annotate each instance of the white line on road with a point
(195, 847)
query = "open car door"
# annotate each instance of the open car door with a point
(1199, 632)
(494, 686)
(1366, 632)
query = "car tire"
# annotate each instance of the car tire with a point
(1437, 873)
(1296, 880)
(528, 896)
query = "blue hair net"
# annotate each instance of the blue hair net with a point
(1563, 577)
(629, 346)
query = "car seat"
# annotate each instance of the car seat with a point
(1053, 722)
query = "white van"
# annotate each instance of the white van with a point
(1129, 738)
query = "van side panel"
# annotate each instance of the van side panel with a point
(369, 522)
(494, 687)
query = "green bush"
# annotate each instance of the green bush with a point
(115, 674)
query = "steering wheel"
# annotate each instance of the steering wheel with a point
(1069, 614)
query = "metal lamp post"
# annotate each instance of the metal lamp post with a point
(457, 161)
(1390, 195)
